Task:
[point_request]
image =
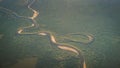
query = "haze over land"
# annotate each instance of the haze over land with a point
(97, 17)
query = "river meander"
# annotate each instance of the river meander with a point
(101, 19)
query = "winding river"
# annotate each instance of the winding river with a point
(50, 35)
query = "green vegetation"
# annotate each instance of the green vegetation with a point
(61, 16)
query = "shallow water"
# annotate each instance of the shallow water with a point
(97, 17)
